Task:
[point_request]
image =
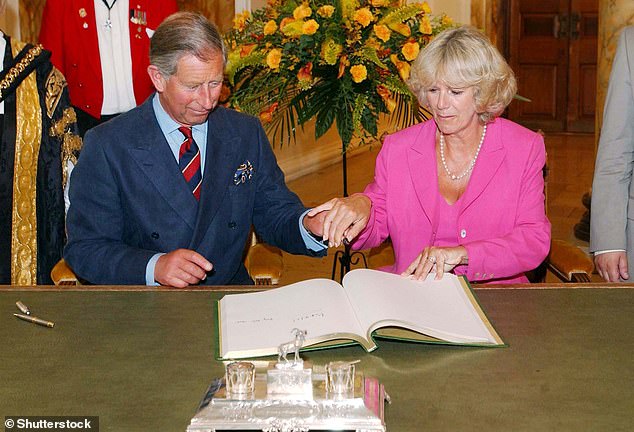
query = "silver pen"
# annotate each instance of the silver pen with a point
(23, 308)
(35, 320)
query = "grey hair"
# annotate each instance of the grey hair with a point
(184, 33)
(464, 57)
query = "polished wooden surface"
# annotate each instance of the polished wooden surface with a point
(141, 361)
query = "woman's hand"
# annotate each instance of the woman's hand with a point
(438, 259)
(345, 219)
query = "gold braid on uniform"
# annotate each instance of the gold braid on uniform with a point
(18, 68)
(27, 148)
(71, 143)
(55, 84)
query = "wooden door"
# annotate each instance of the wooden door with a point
(552, 49)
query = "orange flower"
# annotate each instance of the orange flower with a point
(401, 28)
(359, 73)
(379, 3)
(343, 63)
(326, 11)
(382, 32)
(266, 116)
(402, 67)
(410, 50)
(310, 27)
(306, 72)
(286, 21)
(245, 50)
(363, 16)
(270, 27)
(425, 26)
(385, 94)
(273, 58)
(302, 11)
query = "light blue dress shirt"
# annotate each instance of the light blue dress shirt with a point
(175, 138)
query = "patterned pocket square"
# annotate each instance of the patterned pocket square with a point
(243, 173)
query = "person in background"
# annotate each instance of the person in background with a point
(612, 208)
(38, 144)
(101, 47)
(463, 191)
(167, 192)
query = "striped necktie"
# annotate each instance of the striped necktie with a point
(189, 161)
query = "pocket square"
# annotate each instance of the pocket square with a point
(243, 173)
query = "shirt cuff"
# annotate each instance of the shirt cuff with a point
(312, 243)
(149, 270)
(606, 251)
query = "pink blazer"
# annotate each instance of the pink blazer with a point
(502, 220)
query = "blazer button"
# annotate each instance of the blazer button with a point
(155, 235)
(231, 225)
(463, 233)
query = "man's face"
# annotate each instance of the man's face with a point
(193, 91)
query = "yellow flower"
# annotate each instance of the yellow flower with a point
(310, 27)
(402, 67)
(359, 73)
(426, 8)
(330, 51)
(273, 58)
(363, 16)
(410, 50)
(326, 11)
(382, 32)
(240, 20)
(446, 21)
(302, 11)
(425, 26)
(379, 3)
(270, 27)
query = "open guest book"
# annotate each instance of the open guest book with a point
(369, 304)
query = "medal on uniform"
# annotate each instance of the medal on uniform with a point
(108, 23)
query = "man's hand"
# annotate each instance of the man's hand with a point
(181, 268)
(612, 266)
(344, 218)
(315, 224)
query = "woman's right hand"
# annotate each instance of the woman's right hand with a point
(346, 218)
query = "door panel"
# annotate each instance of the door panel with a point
(552, 49)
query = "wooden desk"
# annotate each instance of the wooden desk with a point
(141, 361)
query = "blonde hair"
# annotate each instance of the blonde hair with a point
(464, 57)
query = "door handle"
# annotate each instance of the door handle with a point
(575, 25)
(561, 26)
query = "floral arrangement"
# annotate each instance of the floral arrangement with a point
(342, 62)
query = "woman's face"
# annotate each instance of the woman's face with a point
(453, 108)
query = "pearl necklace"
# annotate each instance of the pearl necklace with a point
(473, 161)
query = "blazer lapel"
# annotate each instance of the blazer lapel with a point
(221, 161)
(421, 157)
(491, 156)
(154, 157)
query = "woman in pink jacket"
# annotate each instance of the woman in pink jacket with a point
(462, 192)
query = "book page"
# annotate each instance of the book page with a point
(440, 309)
(253, 324)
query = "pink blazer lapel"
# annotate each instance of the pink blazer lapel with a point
(421, 157)
(491, 156)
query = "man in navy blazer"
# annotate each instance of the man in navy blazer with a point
(133, 218)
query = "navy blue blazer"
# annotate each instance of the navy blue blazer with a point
(129, 199)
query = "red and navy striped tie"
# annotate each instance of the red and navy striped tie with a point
(189, 161)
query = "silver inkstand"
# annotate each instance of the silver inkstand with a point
(291, 396)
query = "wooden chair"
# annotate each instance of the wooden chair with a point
(264, 264)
